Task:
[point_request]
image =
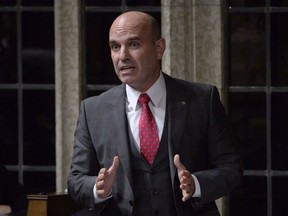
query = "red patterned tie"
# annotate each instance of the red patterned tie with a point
(148, 134)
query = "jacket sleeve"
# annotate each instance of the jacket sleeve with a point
(224, 170)
(85, 166)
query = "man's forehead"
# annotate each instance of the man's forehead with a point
(119, 38)
(125, 31)
(127, 25)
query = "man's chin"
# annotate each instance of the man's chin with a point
(129, 82)
(126, 79)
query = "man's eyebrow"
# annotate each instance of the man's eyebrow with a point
(134, 38)
(112, 42)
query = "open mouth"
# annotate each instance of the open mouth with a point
(123, 68)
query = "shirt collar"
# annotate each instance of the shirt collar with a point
(155, 92)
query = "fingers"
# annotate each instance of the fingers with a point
(114, 165)
(187, 185)
(106, 178)
(186, 196)
(178, 163)
(101, 190)
(186, 180)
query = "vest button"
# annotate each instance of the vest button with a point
(155, 193)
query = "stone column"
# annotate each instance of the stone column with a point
(193, 30)
(67, 82)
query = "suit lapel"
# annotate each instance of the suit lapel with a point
(118, 128)
(177, 109)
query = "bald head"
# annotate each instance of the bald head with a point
(139, 20)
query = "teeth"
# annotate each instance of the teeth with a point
(125, 67)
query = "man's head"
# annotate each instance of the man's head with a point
(136, 49)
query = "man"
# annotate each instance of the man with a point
(194, 162)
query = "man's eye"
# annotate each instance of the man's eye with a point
(115, 47)
(134, 44)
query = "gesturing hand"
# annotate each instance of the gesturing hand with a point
(106, 178)
(187, 184)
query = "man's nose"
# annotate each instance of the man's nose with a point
(124, 53)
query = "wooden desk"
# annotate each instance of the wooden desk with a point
(51, 205)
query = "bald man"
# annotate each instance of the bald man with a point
(193, 160)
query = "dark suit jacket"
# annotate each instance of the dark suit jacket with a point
(198, 130)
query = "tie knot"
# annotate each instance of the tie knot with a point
(144, 99)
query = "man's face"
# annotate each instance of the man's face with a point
(135, 52)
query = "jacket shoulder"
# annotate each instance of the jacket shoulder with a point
(110, 96)
(184, 87)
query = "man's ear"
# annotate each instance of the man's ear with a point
(160, 48)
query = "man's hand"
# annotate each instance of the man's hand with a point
(187, 184)
(106, 178)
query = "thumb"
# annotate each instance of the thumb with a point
(114, 165)
(178, 163)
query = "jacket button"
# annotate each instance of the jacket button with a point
(131, 203)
